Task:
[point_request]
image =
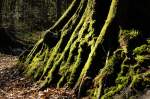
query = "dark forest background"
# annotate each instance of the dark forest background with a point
(27, 17)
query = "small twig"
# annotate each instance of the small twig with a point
(104, 50)
(107, 57)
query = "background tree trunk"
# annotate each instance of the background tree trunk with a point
(103, 50)
(30, 15)
(8, 42)
(58, 8)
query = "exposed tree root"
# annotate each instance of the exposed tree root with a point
(96, 60)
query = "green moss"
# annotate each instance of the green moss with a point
(139, 58)
(90, 92)
(35, 48)
(129, 34)
(60, 82)
(35, 67)
(142, 49)
(74, 68)
(66, 64)
(109, 89)
(124, 70)
(133, 34)
(35, 64)
(135, 80)
(63, 69)
(31, 67)
(148, 41)
(112, 91)
(121, 80)
(39, 70)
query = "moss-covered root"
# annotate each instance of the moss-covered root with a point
(36, 66)
(69, 34)
(100, 40)
(76, 38)
(130, 77)
(112, 63)
(123, 76)
(86, 59)
(34, 51)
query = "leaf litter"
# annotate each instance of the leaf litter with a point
(13, 85)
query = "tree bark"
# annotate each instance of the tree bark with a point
(9, 41)
(102, 50)
(58, 8)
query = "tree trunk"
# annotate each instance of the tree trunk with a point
(102, 49)
(9, 41)
(58, 8)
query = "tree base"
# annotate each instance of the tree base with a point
(101, 59)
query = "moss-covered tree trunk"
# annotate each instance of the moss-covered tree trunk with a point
(102, 49)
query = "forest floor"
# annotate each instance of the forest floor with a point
(13, 85)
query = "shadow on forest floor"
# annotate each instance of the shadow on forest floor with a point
(15, 86)
(12, 83)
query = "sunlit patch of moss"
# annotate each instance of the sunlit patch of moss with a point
(140, 58)
(143, 58)
(122, 79)
(35, 67)
(135, 80)
(127, 38)
(107, 70)
(32, 66)
(134, 34)
(74, 67)
(112, 91)
(146, 78)
(39, 70)
(35, 64)
(129, 34)
(63, 69)
(121, 83)
(109, 89)
(142, 49)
